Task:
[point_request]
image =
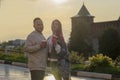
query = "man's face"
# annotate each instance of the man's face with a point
(38, 25)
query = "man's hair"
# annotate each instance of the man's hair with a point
(37, 18)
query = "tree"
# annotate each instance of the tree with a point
(10, 42)
(109, 43)
(80, 39)
(4, 44)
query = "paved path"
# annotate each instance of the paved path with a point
(8, 72)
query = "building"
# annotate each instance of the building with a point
(18, 42)
(96, 28)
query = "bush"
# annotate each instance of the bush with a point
(117, 61)
(16, 57)
(99, 62)
(77, 67)
(75, 58)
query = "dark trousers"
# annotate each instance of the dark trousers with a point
(37, 74)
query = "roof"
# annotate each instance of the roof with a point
(83, 11)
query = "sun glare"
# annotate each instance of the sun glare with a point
(51, 77)
(60, 1)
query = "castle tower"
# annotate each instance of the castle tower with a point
(82, 16)
(119, 19)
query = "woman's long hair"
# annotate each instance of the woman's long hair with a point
(59, 30)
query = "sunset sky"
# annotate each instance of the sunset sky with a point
(16, 16)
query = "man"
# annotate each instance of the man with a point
(36, 49)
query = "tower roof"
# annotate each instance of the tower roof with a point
(119, 19)
(83, 11)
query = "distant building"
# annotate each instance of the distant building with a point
(18, 42)
(97, 28)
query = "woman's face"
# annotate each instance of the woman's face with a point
(55, 26)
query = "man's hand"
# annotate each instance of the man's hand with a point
(43, 44)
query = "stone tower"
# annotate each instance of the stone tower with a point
(81, 31)
(82, 16)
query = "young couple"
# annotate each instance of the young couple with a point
(54, 50)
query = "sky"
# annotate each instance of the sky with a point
(16, 16)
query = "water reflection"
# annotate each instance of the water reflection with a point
(8, 72)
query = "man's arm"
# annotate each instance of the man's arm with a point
(30, 45)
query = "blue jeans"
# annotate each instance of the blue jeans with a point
(61, 69)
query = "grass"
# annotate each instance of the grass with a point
(16, 57)
(77, 67)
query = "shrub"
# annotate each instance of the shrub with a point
(117, 61)
(99, 63)
(77, 67)
(16, 57)
(75, 58)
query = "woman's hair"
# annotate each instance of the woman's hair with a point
(59, 26)
(59, 29)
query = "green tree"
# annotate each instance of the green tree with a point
(10, 42)
(3, 44)
(109, 43)
(80, 40)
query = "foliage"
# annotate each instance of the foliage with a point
(76, 58)
(79, 39)
(3, 45)
(16, 57)
(100, 60)
(17, 46)
(77, 67)
(99, 64)
(109, 43)
(102, 64)
(117, 61)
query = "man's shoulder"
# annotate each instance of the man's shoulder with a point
(31, 34)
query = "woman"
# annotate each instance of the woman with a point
(58, 54)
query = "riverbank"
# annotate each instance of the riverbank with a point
(74, 73)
